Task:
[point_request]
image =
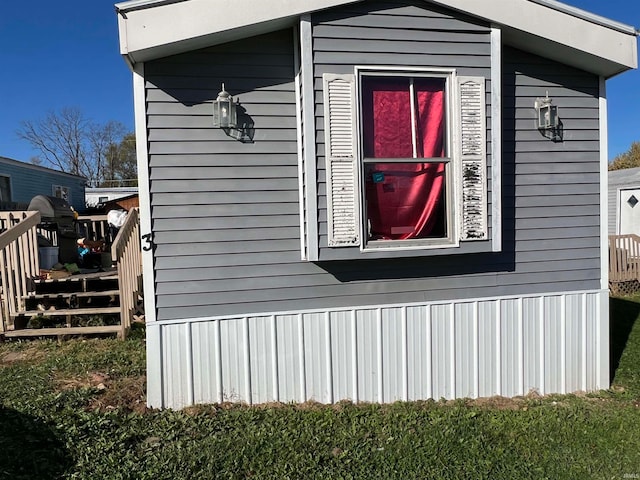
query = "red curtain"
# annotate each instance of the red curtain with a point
(403, 199)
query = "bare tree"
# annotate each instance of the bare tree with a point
(101, 141)
(121, 167)
(68, 141)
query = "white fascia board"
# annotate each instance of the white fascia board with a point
(159, 28)
(592, 17)
(155, 28)
(554, 27)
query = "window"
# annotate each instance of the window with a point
(5, 188)
(62, 192)
(405, 159)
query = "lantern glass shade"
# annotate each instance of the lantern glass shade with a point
(548, 116)
(224, 111)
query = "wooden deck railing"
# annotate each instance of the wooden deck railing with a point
(126, 252)
(10, 219)
(94, 227)
(19, 263)
(18, 260)
(624, 258)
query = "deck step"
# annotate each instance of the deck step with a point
(111, 273)
(69, 311)
(54, 296)
(38, 332)
(74, 279)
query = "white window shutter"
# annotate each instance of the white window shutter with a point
(472, 152)
(343, 224)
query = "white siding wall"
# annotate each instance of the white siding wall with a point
(471, 348)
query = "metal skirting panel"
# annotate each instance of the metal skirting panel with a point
(505, 346)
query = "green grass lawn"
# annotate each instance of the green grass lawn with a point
(75, 410)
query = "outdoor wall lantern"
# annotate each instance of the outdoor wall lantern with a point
(224, 111)
(232, 118)
(548, 121)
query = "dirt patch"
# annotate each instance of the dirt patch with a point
(94, 379)
(501, 403)
(534, 399)
(28, 354)
(13, 357)
(128, 393)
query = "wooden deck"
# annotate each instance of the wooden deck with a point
(49, 332)
(89, 302)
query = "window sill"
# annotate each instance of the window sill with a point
(367, 252)
(412, 245)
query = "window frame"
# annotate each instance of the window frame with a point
(9, 189)
(453, 198)
(61, 188)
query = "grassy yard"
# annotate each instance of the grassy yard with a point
(76, 410)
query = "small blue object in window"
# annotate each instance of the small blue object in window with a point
(378, 177)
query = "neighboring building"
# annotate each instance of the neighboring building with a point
(624, 197)
(20, 182)
(386, 221)
(124, 203)
(100, 196)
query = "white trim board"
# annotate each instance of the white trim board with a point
(604, 186)
(139, 101)
(496, 139)
(154, 336)
(299, 139)
(309, 139)
(602, 349)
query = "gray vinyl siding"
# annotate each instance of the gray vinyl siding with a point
(551, 190)
(396, 34)
(226, 214)
(219, 205)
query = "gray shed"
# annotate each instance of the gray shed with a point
(624, 196)
(410, 204)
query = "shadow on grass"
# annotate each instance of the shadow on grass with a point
(623, 315)
(29, 449)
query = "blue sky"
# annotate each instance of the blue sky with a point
(65, 54)
(55, 55)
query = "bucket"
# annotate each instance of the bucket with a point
(48, 257)
(105, 259)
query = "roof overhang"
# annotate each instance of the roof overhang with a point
(31, 166)
(560, 32)
(157, 28)
(152, 29)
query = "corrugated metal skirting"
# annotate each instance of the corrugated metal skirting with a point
(496, 346)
